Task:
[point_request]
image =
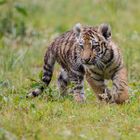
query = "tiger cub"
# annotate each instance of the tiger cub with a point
(87, 52)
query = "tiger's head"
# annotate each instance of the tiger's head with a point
(92, 42)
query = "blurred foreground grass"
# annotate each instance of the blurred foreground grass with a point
(48, 117)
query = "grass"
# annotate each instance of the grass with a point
(51, 118)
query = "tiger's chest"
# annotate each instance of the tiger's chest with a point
(105, 73)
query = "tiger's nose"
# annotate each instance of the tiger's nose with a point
(85, 60)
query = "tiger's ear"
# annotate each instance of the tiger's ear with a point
(77, 29)
(105, 30)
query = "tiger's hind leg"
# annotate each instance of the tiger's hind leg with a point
(63, 81)
(77, 83)
(120, 87)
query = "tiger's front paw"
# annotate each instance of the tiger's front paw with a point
(79, 98)
(105, 97)
(34, 93)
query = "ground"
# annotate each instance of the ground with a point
(49, 116)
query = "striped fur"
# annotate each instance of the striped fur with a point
(87, 52)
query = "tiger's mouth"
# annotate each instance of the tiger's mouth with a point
(91, 62)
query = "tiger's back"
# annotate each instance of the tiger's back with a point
(66, 50)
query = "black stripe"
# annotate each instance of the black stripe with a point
(81, 69)
(67, 40)
(100, 66)
(99, 80)
(61, 79)
(67, 46)
(121, 85)
(73, 52)
(111, 57)
(68, 53)
(118, 60)
(122, 89)
(65, 81)
(47, 70)
(77, 79)
(46, 81)
(109, 64)
(94, 72)
(78, 87)
(101, 50)
(47, 66)
(105, 51)
(124, 83)
(47, 74)
(116, 69)
(62, 56)
(114, 84)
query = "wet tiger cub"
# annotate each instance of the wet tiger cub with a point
(87, 52)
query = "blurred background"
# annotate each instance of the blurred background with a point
(27, 27)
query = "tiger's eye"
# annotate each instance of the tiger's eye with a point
(95, 46)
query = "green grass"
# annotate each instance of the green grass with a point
(48, 116)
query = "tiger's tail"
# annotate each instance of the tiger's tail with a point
(49, 61)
